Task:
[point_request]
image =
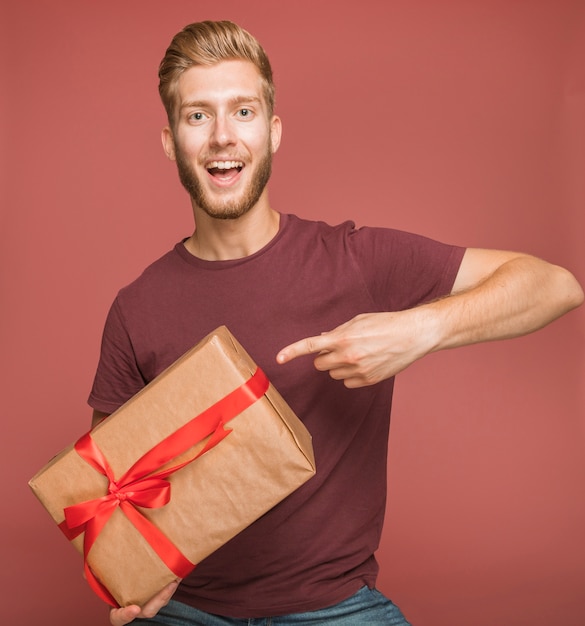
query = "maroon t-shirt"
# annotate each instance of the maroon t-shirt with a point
(316, 547)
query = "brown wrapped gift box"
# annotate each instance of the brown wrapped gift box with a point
(266, 457)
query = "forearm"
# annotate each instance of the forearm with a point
(498, 295)
(519, 297)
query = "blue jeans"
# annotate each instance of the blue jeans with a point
(366, 607)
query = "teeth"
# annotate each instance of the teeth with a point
(224, 165)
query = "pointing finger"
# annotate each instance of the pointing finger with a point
(309, 345)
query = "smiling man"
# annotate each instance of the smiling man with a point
(223, 137)
(365, 303)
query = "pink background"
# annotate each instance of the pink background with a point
(460, 120)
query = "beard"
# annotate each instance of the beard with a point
(225, 209)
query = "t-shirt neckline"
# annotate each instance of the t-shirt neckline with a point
(185, 255)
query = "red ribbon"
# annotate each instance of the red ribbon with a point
(143, 486)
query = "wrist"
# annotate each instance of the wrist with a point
(433, 323)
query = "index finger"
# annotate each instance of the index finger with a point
(309, 345)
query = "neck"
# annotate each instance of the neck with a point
(223, 240)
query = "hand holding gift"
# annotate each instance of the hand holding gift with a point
(127, 614)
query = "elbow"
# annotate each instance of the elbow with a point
(579, 296)
(572, 294)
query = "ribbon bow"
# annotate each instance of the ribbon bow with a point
(143, 486)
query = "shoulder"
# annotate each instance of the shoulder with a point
(156, 275)
(346, 229)
(299, 229)
(360, 243)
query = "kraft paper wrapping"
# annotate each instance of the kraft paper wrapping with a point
(266, 456)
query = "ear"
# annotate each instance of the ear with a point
(275, 132)
(168, 142)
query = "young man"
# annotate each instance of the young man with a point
(364, 303)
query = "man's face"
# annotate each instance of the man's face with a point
(223, 138)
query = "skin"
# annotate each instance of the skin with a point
(496, 295)
(211, 125)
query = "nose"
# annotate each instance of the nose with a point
(223, 133)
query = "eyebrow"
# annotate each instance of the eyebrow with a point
(194, 104)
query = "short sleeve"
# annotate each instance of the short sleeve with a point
(402, 270)
(118, 376)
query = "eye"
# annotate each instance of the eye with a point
(197, 116)
(245, 112)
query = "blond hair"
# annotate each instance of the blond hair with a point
(207, 43)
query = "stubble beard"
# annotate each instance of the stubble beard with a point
(226, 209)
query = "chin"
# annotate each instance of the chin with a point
(229, 213)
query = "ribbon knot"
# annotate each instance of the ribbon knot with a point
(121, 495)
(114, 490)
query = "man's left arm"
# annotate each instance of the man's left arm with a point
(496, 295)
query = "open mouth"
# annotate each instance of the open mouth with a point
(224, 170)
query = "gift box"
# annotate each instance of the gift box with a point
(195, 457)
